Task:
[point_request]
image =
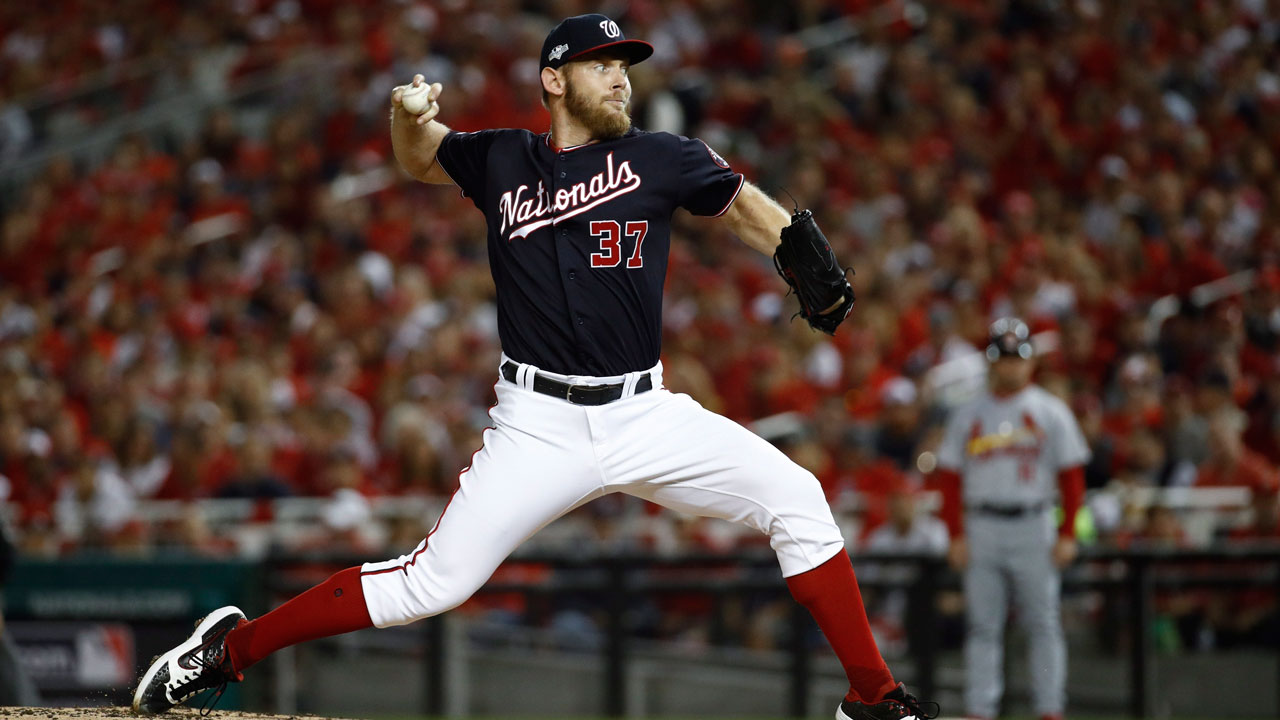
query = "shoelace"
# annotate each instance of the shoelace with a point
(211, 701)
(917, 707)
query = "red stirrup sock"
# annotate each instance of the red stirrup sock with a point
(333, 607)
(830, 592)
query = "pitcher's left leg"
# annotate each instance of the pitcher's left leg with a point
(672, 451)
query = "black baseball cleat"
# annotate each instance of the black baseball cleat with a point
(897, 704)
(198, 664)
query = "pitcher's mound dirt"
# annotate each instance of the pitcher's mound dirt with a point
(102, 713)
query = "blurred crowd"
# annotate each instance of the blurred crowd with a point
(259, 305)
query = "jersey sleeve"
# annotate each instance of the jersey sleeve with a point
(707, 185)
(1071, 450)
(951, 451)
(464, 156)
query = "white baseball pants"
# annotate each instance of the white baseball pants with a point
(544, 457)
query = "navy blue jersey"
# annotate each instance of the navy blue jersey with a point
(579, 237)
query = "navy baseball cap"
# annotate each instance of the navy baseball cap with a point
(581, 34)
(1010, 337)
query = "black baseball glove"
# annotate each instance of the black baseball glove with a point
(805, 260)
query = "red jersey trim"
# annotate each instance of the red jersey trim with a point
(742, 180)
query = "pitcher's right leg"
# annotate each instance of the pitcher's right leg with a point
(525, 476)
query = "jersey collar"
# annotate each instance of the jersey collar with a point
(546, 138)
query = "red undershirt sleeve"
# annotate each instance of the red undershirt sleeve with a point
(1071, 484)
(951, 513)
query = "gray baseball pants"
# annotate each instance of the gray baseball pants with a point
(1010, 560)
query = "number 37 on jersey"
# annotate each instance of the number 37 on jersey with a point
(618, 239)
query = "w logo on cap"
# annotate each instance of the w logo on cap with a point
(580, 35)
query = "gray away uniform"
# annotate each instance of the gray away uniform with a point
(1008, 452)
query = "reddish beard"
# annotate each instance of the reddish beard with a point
(601, 122)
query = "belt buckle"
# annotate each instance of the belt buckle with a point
(568, 393)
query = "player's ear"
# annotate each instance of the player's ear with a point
(553, 81)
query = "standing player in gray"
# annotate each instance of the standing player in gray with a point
(1003, 458)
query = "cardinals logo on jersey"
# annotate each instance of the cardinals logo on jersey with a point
(1006, 440)
(1020, 443)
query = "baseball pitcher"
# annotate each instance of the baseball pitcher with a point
(1004, 458)
(579, 222)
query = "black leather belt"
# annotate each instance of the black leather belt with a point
(577, 394)
(1007, 511)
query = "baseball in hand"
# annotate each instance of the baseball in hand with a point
(416, 99)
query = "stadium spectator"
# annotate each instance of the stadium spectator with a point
(907, 530)
(1230, 461)
(899, 426)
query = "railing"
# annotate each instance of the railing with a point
(1214, 508)
(1138, 574)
